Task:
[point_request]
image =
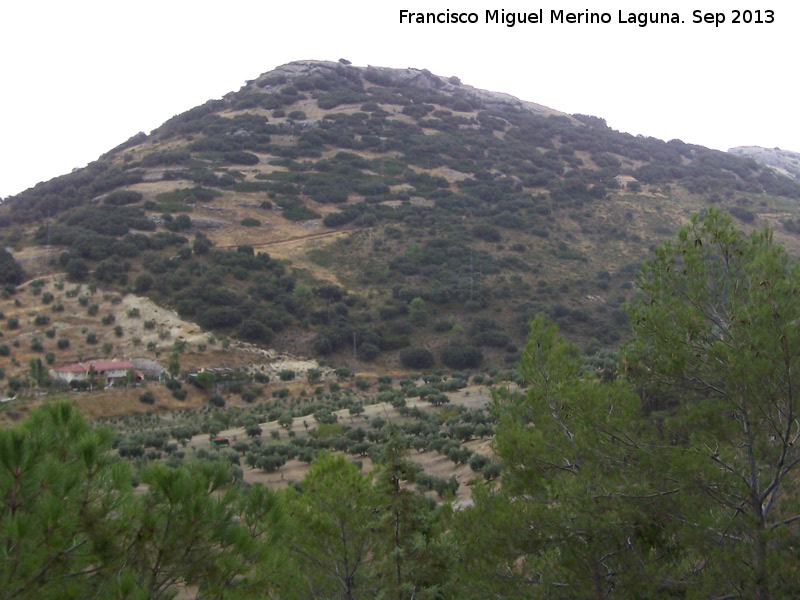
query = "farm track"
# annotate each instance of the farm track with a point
(293, 239)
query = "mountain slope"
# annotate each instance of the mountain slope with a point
(785, 161)
(385, 216)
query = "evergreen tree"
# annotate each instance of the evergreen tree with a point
(60, 495)
(716, 353)
(416, 554)
(331, 531)
(577, 513)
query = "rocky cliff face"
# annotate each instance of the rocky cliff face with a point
(783, 161)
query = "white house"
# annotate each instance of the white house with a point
(70, 373)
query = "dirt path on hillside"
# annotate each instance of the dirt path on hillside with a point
(297, 238)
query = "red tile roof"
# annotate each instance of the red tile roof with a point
(76, 368)
(112, 366)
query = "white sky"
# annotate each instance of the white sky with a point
(80, 77)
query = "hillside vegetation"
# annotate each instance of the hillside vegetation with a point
(408, 340)
(324, 206)
(675, 476)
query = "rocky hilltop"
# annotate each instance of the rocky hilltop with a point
(785, 162)
(419, 78)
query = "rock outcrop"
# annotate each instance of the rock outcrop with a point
(421, 78)
(783, 161)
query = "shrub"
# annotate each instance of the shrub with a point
(13, 322)
(62, 343)
(147, 398)
(438, 398)
(287, 375)
(491, 471)
(241, 158)
(368, 352)
(478, 462)
(77, 269)
(143, 283)
(416, 358)
(255, 331)
(486, 233)
(217, 400)
(250, 222)
(457, 356)
(10, 270)
(205, 380)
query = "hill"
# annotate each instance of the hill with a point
(379, 219)
(785, 162)
(400, 229)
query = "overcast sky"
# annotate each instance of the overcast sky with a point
(78, 78)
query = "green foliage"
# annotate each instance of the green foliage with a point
(486, 233)
(559, 449)
(632, 487)
(716, 323)
(286, 375)
(10, 270)
(253, 430)
(58, 485)
(205, 380)
(416, 358)
(457, 356)
(77, 269)
(332, 528)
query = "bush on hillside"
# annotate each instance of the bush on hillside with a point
(416, 358)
